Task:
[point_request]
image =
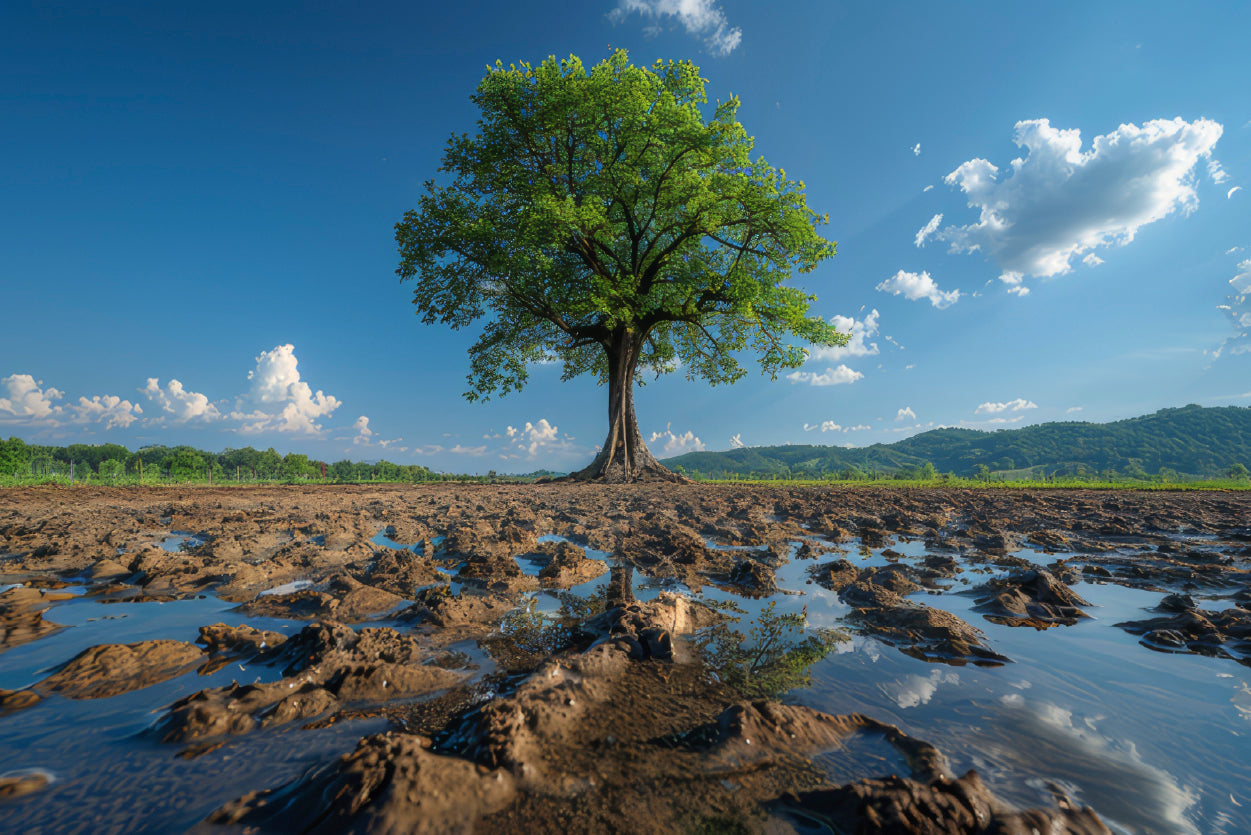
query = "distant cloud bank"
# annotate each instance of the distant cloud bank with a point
(278, 401)
(830, 377)
(1017, 405)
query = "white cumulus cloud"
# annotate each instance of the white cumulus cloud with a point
(928, 230)
(1216, 172)
(914, 286)
(700, 18)
(916, 150)
(1017, 405)
(109, 409)
(830, 377)
(280, 400)
(736, 441)
(858, 346)
(178, 402)
(906, 413)
(674, 444)
(1059, 202)
(538, 438)
(363, 432)
(27, 400)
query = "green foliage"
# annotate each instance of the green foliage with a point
(297, 467)
(185, 464)
(526, 637)
(114, 464)
(602, 208)
(15, 457)
(771, 659)
(111, 469)
(925, 472)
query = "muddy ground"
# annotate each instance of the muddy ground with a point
(614, 715)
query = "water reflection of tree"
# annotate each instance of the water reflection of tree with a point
(771, 658)
(527, 636)
(620, 590)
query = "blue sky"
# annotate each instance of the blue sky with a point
(196, 235)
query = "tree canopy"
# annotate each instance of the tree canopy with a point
(598, 219)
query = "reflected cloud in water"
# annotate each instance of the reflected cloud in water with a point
(1043, 739)
(914, 690)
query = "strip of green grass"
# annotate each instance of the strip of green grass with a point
(978, 484)
(134, 481)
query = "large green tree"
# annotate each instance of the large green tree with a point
(599, 219)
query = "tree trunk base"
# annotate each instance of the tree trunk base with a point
(642, 469)
(624, 457)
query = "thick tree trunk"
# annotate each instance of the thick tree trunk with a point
(624, 457)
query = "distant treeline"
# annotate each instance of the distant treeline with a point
(1170, 445)
(113, 463)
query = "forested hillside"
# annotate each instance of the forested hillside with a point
(1191, 440)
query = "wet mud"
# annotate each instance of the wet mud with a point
(580, 658)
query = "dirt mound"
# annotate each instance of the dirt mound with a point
(342, 598)
(402, 573)
(21, 615)
(1034, 598)
(225, 644)
(327, 666)
(900, 806)
(920, 631)
(1186, 628)
(112, 669)
(391, 783)
(879, 608)
(567, 565)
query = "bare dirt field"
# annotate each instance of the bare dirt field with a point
(639, 658)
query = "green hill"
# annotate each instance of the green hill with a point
(1191, 440)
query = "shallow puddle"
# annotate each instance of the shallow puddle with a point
(1158, 744)
(107, 775)
(182, 541)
